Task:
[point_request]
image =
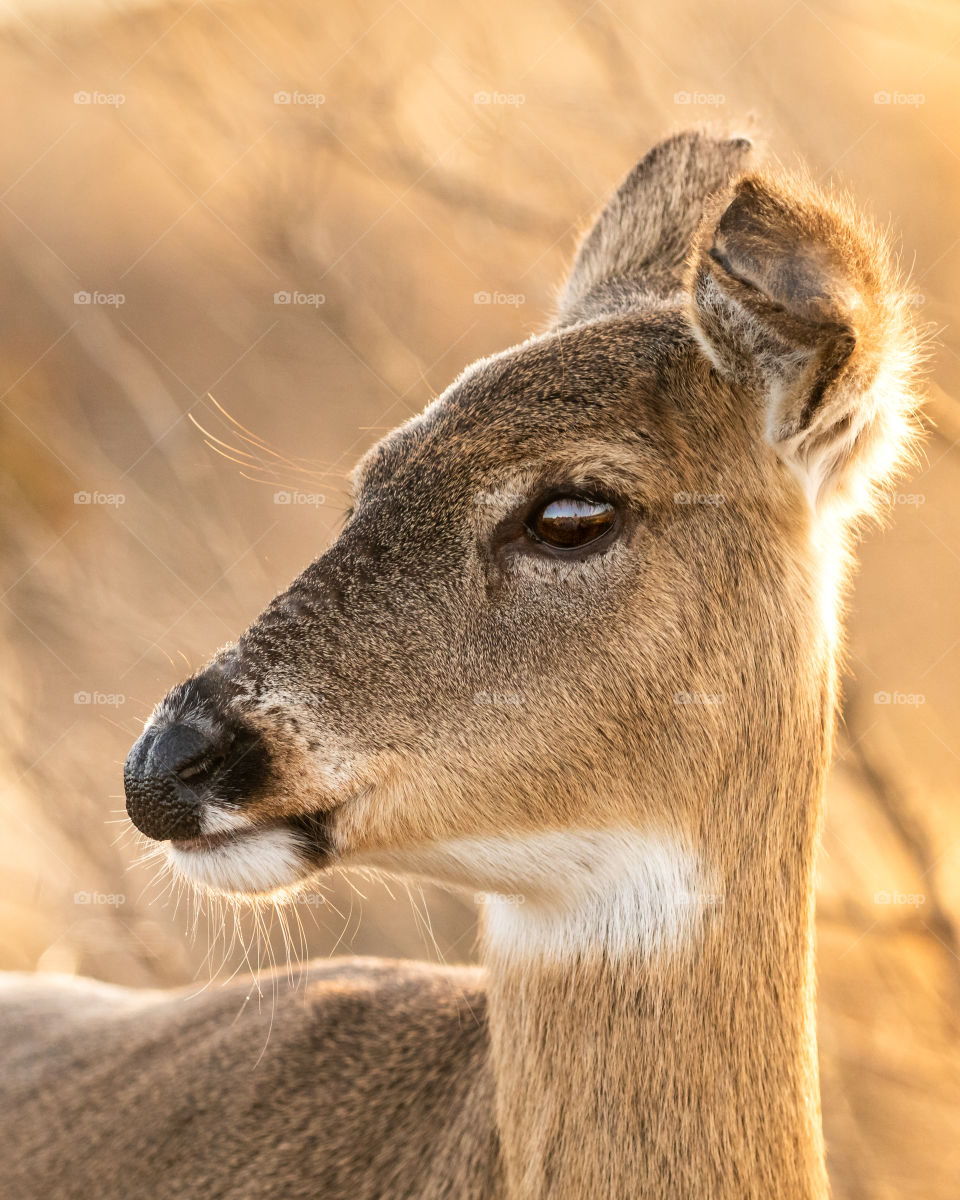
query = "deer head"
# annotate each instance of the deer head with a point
(594, 581)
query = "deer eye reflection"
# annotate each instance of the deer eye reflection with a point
(569, 522)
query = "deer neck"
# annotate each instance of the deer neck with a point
(652, 1019)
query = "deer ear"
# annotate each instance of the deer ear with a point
(641, 240)
(795, 299)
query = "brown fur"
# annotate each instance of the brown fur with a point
(725, 334)
(367, 1079)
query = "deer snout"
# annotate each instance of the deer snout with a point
(166, 777)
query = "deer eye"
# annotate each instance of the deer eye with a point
(568, 522)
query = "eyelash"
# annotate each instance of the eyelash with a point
(593, 493)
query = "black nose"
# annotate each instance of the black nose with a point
(164, 778)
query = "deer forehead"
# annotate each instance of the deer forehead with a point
(609, 399)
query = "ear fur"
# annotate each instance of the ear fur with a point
(639, 244)
(796, 299)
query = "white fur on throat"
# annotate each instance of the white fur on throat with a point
(574, 892)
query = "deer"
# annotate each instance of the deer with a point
(575, 651)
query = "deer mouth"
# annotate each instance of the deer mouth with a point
(209, 841)
(258, 858)
(315, 827)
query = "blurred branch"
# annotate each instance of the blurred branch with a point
(912, 835)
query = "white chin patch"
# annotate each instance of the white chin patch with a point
(223, 820)
(252, 862)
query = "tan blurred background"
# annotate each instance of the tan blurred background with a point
(413, 175)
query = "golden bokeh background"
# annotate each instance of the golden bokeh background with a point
(414, 174)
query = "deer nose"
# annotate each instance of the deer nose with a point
(164, 778)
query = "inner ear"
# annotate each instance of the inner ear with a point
(640, 242)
